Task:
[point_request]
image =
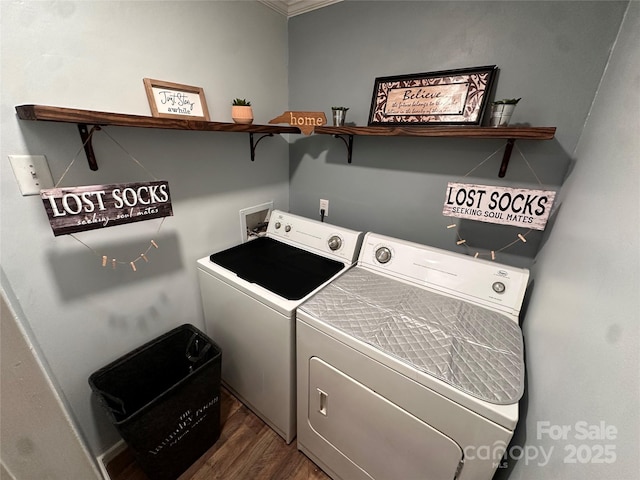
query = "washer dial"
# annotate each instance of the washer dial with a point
(334, 242)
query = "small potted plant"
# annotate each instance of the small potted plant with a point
(339, 114)
(501, 111)
(241, 111)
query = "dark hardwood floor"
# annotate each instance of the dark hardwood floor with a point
(247, 450)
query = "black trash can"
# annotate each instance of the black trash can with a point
(164, 399)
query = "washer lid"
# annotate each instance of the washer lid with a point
(283, 269)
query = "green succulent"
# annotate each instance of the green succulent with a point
(507, 101)
(241, 102)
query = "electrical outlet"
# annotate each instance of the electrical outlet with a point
(32, 173)
(324, 205)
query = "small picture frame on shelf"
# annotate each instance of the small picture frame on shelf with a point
(449, 97)
(175, 100)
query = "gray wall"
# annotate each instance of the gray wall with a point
(552, 54)
(94, 55)
(582, 322)
(583, 325)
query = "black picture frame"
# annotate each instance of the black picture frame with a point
(447, 97)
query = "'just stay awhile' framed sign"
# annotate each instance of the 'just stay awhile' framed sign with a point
(78, 209)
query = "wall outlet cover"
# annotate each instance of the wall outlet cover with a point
(324, 205)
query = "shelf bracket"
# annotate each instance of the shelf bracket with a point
(254, 145)
(348, 144)
(85, 136)
(506, 157)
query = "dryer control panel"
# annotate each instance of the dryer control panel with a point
(487, 283)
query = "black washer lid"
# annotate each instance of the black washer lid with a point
(287, 271)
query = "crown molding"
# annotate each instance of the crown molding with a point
(290, 8)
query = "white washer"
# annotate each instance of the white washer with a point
(250, 293)
(410, 365)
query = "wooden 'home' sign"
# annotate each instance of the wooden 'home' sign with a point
(305, 121)
(78, 209)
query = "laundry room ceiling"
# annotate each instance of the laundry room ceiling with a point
(290, 8)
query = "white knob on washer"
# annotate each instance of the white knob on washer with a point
(278, 225)
(287, 228)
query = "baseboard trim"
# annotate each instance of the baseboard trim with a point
(105, 460)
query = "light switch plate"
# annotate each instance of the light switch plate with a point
(32, 173)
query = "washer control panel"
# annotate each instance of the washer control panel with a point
(318, 237)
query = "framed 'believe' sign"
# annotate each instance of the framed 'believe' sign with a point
(451, 97)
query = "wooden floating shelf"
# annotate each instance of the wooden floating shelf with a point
(83, 118)
(531, 133)
(511, 134)
(90, 117)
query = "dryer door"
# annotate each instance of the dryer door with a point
(376, 435)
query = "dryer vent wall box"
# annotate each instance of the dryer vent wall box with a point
(254, 220)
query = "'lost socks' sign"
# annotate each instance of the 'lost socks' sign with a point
(77, 209)
(507, 206)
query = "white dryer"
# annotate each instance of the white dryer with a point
(250, 293)
(411, 366)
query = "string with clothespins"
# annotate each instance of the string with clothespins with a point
(519, 238)
(108, 260)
